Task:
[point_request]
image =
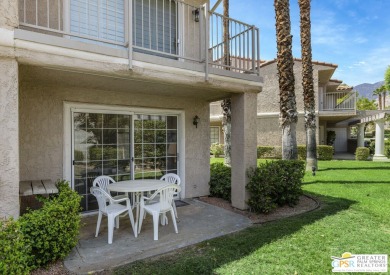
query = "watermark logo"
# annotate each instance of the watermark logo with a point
(349, 262)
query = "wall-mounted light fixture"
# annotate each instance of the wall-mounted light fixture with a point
(195, 121)
(195, 14)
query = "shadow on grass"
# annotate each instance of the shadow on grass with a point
(345, 182)
(205, 257)
(355, 168)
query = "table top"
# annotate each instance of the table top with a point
(137, 185)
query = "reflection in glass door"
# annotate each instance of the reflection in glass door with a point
(101, 146)
(155, 146)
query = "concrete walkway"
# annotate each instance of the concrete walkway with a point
(344, 156)
(198, 222)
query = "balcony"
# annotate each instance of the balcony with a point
(164, 32)
(339, 103)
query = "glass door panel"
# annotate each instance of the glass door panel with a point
(101, 146)
(155, 146)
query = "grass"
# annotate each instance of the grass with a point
(353, 217)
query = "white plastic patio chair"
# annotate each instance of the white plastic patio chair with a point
(161, 207)
(112, 211)
(174, 179)
(103, 182)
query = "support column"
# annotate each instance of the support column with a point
(360, 137)
(244, 142)
(379, 141)
(9, 138)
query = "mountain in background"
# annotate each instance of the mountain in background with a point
(366, 89)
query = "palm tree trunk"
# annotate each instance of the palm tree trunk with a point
(288, 112)
(384, 100)
(226, 103)
(380, 101)
(307, 83)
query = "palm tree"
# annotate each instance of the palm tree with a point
(288, 111)
(307, 83)
(379, 92)
(226, 103)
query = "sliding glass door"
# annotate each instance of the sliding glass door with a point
(103, 145)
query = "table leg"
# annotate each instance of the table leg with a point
(137, 214)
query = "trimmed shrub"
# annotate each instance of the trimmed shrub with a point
(387, 148)
(52, 231)
(325, 152)
(220, 181)
(362, 153)
(269, 152)
(216, 149)
(14, 251)
(275, 183)
(301, 152)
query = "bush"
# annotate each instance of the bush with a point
(371, 146)
(325, 152)
(217, 149)
(220, 181)
(330, 137)
(301, 152)
(362, 153)
(52, 231)
(14, 252)
(275, 184)
(272, 152)
(387, 148)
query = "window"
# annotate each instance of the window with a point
(214, 135)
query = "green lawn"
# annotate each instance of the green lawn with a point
(354, 217)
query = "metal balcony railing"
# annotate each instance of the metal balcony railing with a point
(339, 101)
(166, 28)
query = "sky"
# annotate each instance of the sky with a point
(354, 34)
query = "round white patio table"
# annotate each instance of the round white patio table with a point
(137, 187)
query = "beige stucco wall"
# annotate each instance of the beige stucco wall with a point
(9, 132)
(268, 99)
(270, 134)
(41, 129)
(9, 14)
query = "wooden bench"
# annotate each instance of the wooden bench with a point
(37, 187)
(29, 188)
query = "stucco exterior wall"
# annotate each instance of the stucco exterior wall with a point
(41, 129)
(9, 145)
(268, 99)
(270, 134)
(9, 14)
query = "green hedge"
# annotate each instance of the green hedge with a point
(220, 181)
(325, 152)
(52, 230)
(41, 236)
(362, 153)
(275, 183)
(269, 152)
(14, 250)
(387, 148)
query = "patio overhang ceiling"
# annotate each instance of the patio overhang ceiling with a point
(63, 78)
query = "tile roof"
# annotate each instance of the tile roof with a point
(300, 60)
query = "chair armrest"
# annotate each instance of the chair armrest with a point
(118, 200)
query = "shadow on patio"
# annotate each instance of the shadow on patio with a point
(198, 221)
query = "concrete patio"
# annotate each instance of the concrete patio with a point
(198, 221)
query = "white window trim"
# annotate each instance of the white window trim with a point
(70, 107)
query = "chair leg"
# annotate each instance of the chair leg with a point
(174, 208)
(131, 216)
(155, 225)
(110, 228)
(117, 221)
(164, 219)
(174, 220)
(98, 223)
(141, 218)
